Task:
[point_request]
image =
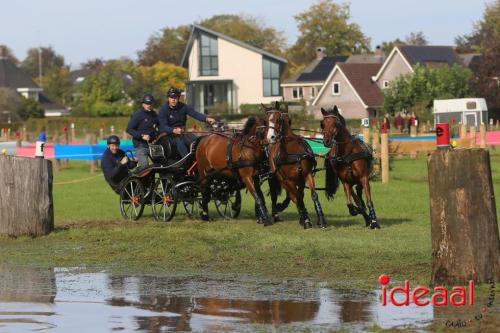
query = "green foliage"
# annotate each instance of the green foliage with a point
(103, 94)
(20, 108)
(156, 80)
(482, 32)
(49, 57)
(57, 85)
(388, 46)
(6, 52)
(31, 109)
(425, 85)
(326, 24)
(167, 45)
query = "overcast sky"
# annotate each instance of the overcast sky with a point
(80, 30)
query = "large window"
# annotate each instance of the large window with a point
(271, 76)
(209, 59)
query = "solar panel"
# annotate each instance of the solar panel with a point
(322, 69)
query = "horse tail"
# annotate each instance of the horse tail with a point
(331, 180)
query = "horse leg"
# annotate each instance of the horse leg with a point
(297, 196)
(348, 194)
(317, 206)
(358, 199)
(261, 206)
(258, 191)
(371, 209)
(205, 199)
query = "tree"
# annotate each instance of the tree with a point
(49, 57)
(487, 82)
(103, 94)
(416, 38)
(6, 52)
(426, 84)
(156, 80)
(57, 85)
(20, 108)
(388, 46)
(93, 64)
(249, 30)
(326, 24)
(166, 46)
(486, 28)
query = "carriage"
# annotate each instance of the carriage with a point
(169, 182)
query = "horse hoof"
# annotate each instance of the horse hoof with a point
(260, 221)
(205, 217)
(307, 225)
(276, 218)
(374, 225)
(268, 223)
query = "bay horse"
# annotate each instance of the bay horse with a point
(351, 160)
(292, 161)
(239, 158)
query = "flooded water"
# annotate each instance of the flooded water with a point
(69, 300)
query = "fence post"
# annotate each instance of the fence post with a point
(73, 136)
(464, 228)
(22, 214)
(384, 151)
(473, 136)
(482, 135)
(366, 135)
(376, 150)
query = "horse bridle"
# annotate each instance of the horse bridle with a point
(281, 118)
(338, 125)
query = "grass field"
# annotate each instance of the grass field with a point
(91, 233)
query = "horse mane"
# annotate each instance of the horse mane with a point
(249, 124)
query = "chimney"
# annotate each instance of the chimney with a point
(378, 51)
(320, 52)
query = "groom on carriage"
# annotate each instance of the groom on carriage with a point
(173, 117)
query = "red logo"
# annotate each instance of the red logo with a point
(439, 296)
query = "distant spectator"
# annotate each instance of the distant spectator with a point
(42, 136)
(399, 122)
(386, 125)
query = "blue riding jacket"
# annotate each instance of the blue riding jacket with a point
(142, 122)
(177, 117)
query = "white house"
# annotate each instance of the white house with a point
(224, 73)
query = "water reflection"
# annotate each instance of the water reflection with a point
(63, 300)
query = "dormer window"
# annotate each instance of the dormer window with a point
(209, 56)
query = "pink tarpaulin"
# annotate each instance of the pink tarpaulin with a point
(492, 138)
(29, 151)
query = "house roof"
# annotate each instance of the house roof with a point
(472, 61)
(317, 70)
(425, 54)
(48, 105)
(365, 59)
(197, 28)
(421, 54)
(13, 77)
(359, 77)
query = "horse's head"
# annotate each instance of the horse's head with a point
(276, 120)
(331, 125)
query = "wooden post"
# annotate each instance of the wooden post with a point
(73, 136)
(413, 130)
(473, 136)
(497, 125)
(101, 133)
(90, 139)
(25, 134)
(464, 228)
(26, 205)
(482, 135)
(366, 135)
(463, 131)
(376, 150)
(384, 157)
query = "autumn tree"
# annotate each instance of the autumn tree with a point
(416, 38)
(6, 52)
(326, 24)
(50, 59)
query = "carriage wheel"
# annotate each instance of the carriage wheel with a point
(192, 208)
(230, 208)
(132, 199)
(163, 200)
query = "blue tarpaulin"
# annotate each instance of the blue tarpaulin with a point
(83, 152)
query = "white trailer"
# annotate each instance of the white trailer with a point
(468, 111)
